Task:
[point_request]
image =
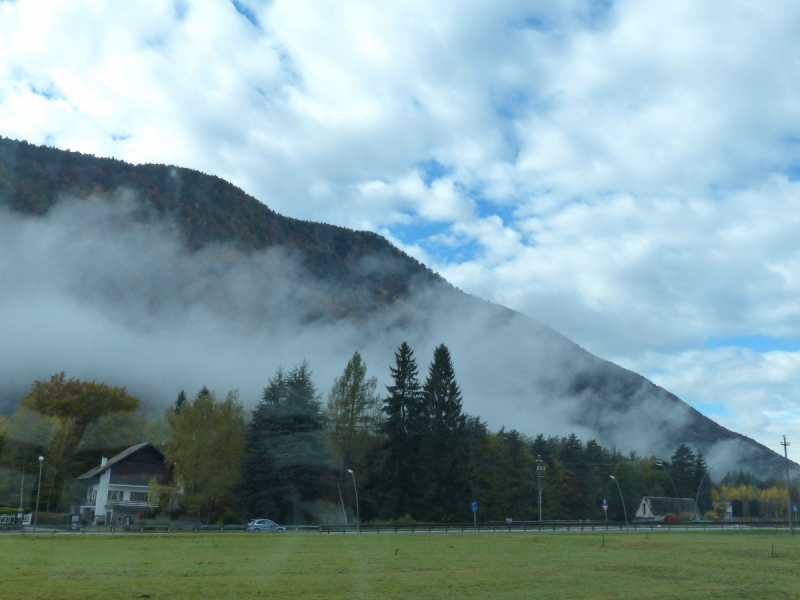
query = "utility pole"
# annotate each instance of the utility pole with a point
(539, 474)
(22, 489)
(38, 493)
(785, 445)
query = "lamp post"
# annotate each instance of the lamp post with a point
(539, 474)
(661, 464)
(624, 510)
(697, 497)
(38, 493)
(358, 518)
(344, 514)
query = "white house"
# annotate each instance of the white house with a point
(118, 489)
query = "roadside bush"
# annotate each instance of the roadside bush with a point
(228, 518)
(671, 518)
(406, 520)
(51, 518)
(687, 516)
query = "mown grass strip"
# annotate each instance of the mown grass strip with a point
(665, 565)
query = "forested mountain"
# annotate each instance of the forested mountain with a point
(154, 276)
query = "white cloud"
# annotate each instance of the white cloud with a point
(758, 390)
(638, 154)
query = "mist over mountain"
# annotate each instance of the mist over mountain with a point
(160, 279)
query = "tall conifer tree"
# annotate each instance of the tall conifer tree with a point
(287, 466)
(445, 459)
(403, 428)
(682, 471)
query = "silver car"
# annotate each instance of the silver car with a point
(264, 525)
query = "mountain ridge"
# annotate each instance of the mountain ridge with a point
(366, 277)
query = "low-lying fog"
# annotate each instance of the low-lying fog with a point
(104, 290)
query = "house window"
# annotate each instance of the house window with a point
(139, 496)
(116, 495)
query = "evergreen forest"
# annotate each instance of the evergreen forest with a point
(299, 455)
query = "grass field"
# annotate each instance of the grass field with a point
(734, 564)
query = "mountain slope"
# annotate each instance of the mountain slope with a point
(159, 276)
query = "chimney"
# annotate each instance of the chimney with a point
(103, 461)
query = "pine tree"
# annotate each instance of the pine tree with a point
(287, 466)
(682, 471)
(182, 399)
(443, 447)
(403, 427)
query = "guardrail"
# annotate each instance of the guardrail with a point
(551, 526)
(413, 528)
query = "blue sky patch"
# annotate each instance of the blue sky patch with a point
(430, 170)
(537, 24)
(181, 9)
(510, 104)
(245, 11)
(421, 232)
(487, 208)
(44, 93)
(758, 343)
(418, 231)
(712, 409)
(120, 137)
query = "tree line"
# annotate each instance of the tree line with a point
(412, 452)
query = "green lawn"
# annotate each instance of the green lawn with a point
(733, 564)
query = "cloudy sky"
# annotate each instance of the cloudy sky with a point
(626, 172)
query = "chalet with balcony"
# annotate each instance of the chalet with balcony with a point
(118, 489)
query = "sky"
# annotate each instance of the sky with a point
(625, 172)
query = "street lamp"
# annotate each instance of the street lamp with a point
(358, 518)
(697, 497)
(344, 514)
(539, 474)
(22, 489)
(663, 466)
(624, 511)
(38, 493)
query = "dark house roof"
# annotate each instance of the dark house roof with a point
(136, 465)
(676, 506)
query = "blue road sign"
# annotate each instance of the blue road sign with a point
(474, 507)
(604, 502)
(795, 508)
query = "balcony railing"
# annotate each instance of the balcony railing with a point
(132, 503)
(123, 503)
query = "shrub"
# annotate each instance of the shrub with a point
(671, 518)
(51, 518)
